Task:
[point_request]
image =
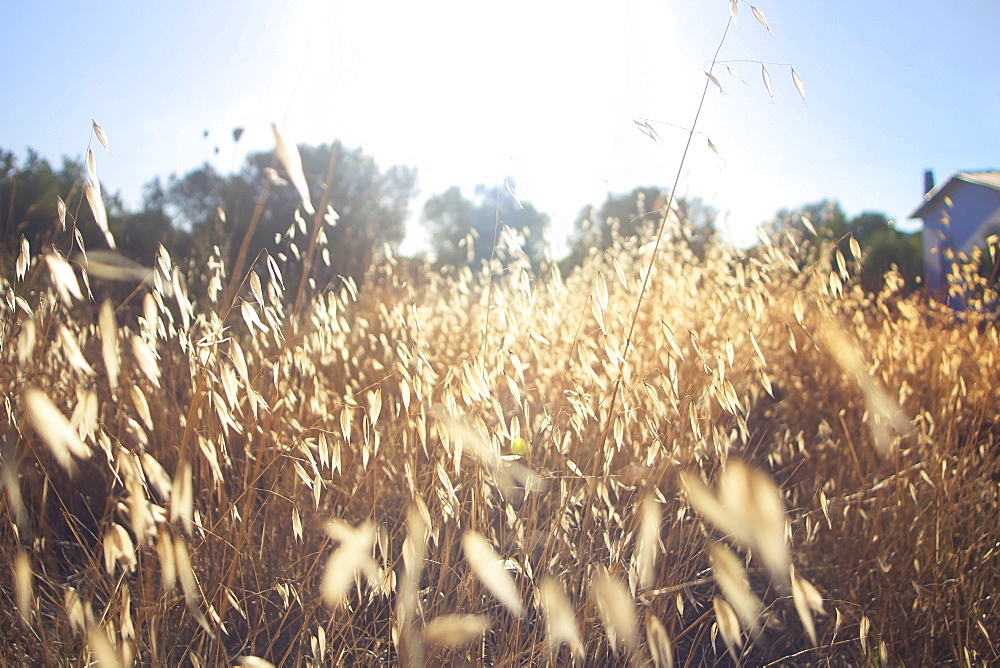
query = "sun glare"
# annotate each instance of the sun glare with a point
(475, 93)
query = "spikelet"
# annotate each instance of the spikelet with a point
(92, 188)
(274, 178)
(101, 136)
(749, 508)
(648, 542)
(73, 354)
(729, 626)
(23, 259)
(118, 549)
(181, 295)
(251, 318)
(759, 15)
(77, 612)
(753, 499)
(254, 662)
(807, 601)
(413, 553)
(168, 561)
(659, 642)
(560, 622)
(732, 580)
(288, 155)
(351, 558)
(26, 341)
(113, 266)
(23, 585)
(487, 566)
(182, 498)
(146, 359)
(703, 501)
(63, 277)
(85, 414)
(257, 289)
(864, 626)
(455, 630)
(141, 406)
(61, 212)
(101, 647)
(272, 268)
(140, 518)
(766, 76)
(802, 92)
(885, 415)
(189, 584)
(616, 610)
(12, 485)
(56, 431)
(108, 328)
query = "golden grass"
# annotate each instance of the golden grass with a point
(806, 471)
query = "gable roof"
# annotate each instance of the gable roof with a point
(989, 178)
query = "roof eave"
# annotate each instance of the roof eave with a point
(932, 195)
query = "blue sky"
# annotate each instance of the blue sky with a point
(470, 92)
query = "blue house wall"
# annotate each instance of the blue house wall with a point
(958, 214)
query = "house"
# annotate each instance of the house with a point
(958, 214)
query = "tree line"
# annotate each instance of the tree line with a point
(204, 212)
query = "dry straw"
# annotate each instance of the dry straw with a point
(389, 413)
(689, 410)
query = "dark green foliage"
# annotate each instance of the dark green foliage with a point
(203, 209)
(30, 191)
(371, 204)
(826, 217)
(883, 247)
(636, 214)
(451, 218)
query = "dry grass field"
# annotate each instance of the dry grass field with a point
(486, 468)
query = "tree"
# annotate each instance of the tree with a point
(825, 216)
(806, 229)
(201, 203)
(451, 219)
(27, 200)
(638, 214)
(886, 247)
(29, 193)
(371, 206)
(883, 247)
(143, 231)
